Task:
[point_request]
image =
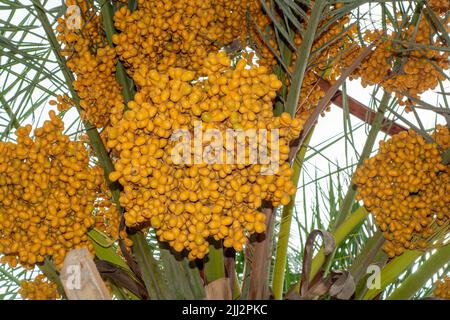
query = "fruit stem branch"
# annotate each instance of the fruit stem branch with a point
(214, 264)
(303, 57)
(285, 227)
(377, 124)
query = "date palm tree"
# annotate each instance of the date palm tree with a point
(324, 244)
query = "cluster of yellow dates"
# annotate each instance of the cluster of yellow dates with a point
(404, 64)
(439, 6)
(47, 195)
(442, 288)
(165, 46)
(40, 288)
(94, 63)
(407, 188)
(164, 34)
(190, 201)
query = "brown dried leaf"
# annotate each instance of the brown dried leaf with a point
(328, 244)
(343, 286)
